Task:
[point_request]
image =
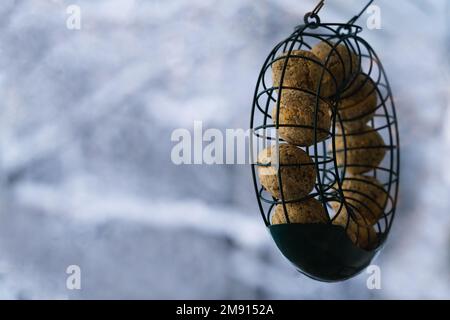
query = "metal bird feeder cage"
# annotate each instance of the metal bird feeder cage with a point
(337, 248)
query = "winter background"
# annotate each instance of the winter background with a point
(86, 178)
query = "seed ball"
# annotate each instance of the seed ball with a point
(365, 150)
(360, 102)
(366, 196)
(309, 211)
(298, 108)
(365, 237)
(303, 71)
(298, 172)
(341, 62)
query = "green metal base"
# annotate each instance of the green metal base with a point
(321, 251)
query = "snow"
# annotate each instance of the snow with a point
(85, 174)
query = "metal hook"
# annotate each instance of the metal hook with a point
(312, 18)
(353, 20)
(321, 3)
(318, 7)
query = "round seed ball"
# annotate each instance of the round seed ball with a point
(309, 211)
(365, 150)
(366, 196)
(298, 108)
(359, 102)
(298, 173)
(365, 237)
(341, 62)
(303, 71)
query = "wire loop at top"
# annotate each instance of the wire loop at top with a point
(311, 19)
(314, 14)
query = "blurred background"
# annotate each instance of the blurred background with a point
(86, 178)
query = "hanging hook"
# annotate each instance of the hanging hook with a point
(318, 7)
(353, 20)
(313, 16)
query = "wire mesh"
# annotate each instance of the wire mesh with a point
(331, 148)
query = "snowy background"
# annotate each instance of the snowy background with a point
(85, 172)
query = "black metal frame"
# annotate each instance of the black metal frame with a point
(330, 175)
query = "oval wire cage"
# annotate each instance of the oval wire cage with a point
(329, 251)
